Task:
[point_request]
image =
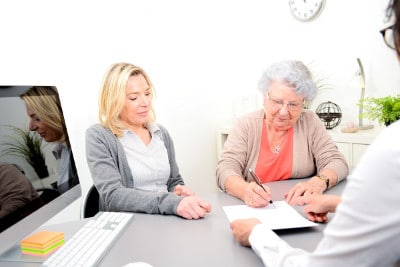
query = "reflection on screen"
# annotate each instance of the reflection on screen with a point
(36, 161)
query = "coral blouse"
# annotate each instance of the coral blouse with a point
(275, 166)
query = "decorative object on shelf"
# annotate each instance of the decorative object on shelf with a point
(306, 10)
(361, 74)
(349, 128)
(384, 109)
(330, 114)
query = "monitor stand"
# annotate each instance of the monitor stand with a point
(15, 255)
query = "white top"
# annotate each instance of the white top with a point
(62, 153)
(365, 230)
(148, 163)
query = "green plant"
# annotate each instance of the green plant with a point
(384, 109)
(26, 144)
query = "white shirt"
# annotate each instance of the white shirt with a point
(365, 230)
(62, 153)
(149, 164)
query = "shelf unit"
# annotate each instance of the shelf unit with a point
(353, 145)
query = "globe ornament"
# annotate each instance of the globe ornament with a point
(330, 114)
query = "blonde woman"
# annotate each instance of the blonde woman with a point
(132, 158)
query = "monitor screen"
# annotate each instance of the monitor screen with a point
(38, 177)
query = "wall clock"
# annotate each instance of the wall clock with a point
(306, 10)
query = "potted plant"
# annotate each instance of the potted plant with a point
(384, 109)
(26, 144)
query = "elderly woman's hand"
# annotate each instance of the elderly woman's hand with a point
(312, 186)
(255, 196)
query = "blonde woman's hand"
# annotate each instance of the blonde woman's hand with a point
(181, 190)
(192, 207)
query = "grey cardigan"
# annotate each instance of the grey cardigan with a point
(113, 179)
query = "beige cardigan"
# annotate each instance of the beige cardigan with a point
(313, 148)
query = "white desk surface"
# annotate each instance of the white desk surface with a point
(170, 241)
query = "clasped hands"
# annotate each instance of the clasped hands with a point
(191, 206)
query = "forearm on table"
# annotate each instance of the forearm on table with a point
(324, 174)
(133, 200)
(235, 186)
(173, 182)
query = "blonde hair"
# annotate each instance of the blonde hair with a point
(113, 94)
(45, 102)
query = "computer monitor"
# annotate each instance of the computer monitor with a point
(38, 177)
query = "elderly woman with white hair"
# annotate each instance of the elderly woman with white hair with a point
(281, 141)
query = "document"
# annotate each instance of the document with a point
(280, 215)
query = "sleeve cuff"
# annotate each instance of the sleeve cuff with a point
(274, 251)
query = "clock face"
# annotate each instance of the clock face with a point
(305, 10)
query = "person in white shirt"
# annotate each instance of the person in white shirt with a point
(365, 230)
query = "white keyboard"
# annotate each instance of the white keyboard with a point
(89, 244)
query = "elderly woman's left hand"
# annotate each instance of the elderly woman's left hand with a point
(312, 186)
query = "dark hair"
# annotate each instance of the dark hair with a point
(394, 9)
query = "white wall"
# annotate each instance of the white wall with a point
(201, 55)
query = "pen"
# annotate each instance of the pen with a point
(257, 180)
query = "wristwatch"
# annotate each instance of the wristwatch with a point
(324, 178)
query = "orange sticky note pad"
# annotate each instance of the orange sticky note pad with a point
(42, 239)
